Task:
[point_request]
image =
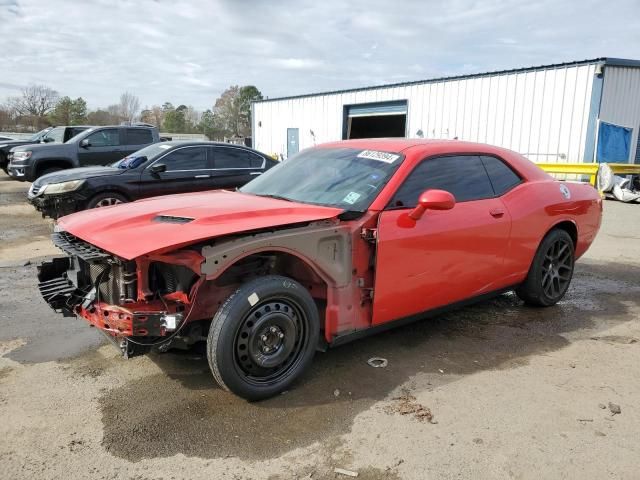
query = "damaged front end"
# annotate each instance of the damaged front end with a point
(135, 302)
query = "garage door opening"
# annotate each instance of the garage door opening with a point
(375, 120)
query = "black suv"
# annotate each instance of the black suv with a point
(159, 169)
(48, 135)
(94, 146)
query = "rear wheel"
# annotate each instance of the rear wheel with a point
(551, 271)
(263, 337)
(106, 199)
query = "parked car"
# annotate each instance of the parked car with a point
(159, 169)
(48, 135)
(94, 146)
(341, 240)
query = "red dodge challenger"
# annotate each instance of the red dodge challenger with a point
(342, 240)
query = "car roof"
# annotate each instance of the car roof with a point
(419, 148)
(397, 145)
(183, 143)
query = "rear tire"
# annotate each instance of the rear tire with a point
(263, 337)
(106, 199)
(551, 271)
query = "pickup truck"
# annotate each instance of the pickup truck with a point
(47, 135)
(94, 146)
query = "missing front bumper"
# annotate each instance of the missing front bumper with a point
(56, 288)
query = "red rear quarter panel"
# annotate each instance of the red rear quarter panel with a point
(537, 207)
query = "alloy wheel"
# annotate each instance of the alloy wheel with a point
(557, 269)
(107, 202)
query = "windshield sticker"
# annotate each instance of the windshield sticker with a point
(351, 198)
(385, 157)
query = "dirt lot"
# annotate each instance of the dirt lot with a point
(513, 392)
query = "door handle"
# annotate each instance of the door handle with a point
(255, 173)
(496, 212)
(202, 176)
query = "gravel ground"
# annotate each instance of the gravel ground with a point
(496, 391)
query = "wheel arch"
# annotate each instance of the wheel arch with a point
(568, 226)
(284, 262)
(43, 164)
(110, 190)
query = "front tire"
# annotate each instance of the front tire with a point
(263, 337)
(551, 271)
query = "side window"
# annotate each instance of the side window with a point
(139, 136)
(464, 176)
(256, 160)
(56, 135)
(502, 177)
(189, 158)
(227, 157)
(105, 138)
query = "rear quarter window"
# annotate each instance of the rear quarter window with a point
(139, 136)
(502, 177)
(231, 158)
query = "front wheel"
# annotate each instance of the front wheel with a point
(551, 271)
(106, 199)
(263, 337)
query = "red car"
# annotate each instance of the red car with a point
(342, 240)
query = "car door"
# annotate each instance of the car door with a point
(446, 256)
(234, 166)
(102, 147)
(187, 170)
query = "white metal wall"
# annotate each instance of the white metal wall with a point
(541, 113)
(621, 101)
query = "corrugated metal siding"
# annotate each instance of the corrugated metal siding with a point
(621, 101)
(541, 113)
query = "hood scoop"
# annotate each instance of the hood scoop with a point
(172, 219)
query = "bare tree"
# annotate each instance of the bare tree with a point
(129, 106)
(115, 114)
(36, 100)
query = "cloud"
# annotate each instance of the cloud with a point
(189, 51)
(297, 63)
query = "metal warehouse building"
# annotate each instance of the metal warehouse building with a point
(572, 112)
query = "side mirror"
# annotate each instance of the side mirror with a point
(85, 143)
(158, 168)
(47, 140)
(432, 200)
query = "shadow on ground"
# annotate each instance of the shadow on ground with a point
(181, 410)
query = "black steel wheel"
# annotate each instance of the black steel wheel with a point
(551, 271)
(263, 337)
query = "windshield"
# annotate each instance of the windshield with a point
(338, 177)
(137, 158)
(38, 135)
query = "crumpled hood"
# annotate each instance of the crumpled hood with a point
(81, 173)
(164, 223)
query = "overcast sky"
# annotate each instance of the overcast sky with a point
(189, 52)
